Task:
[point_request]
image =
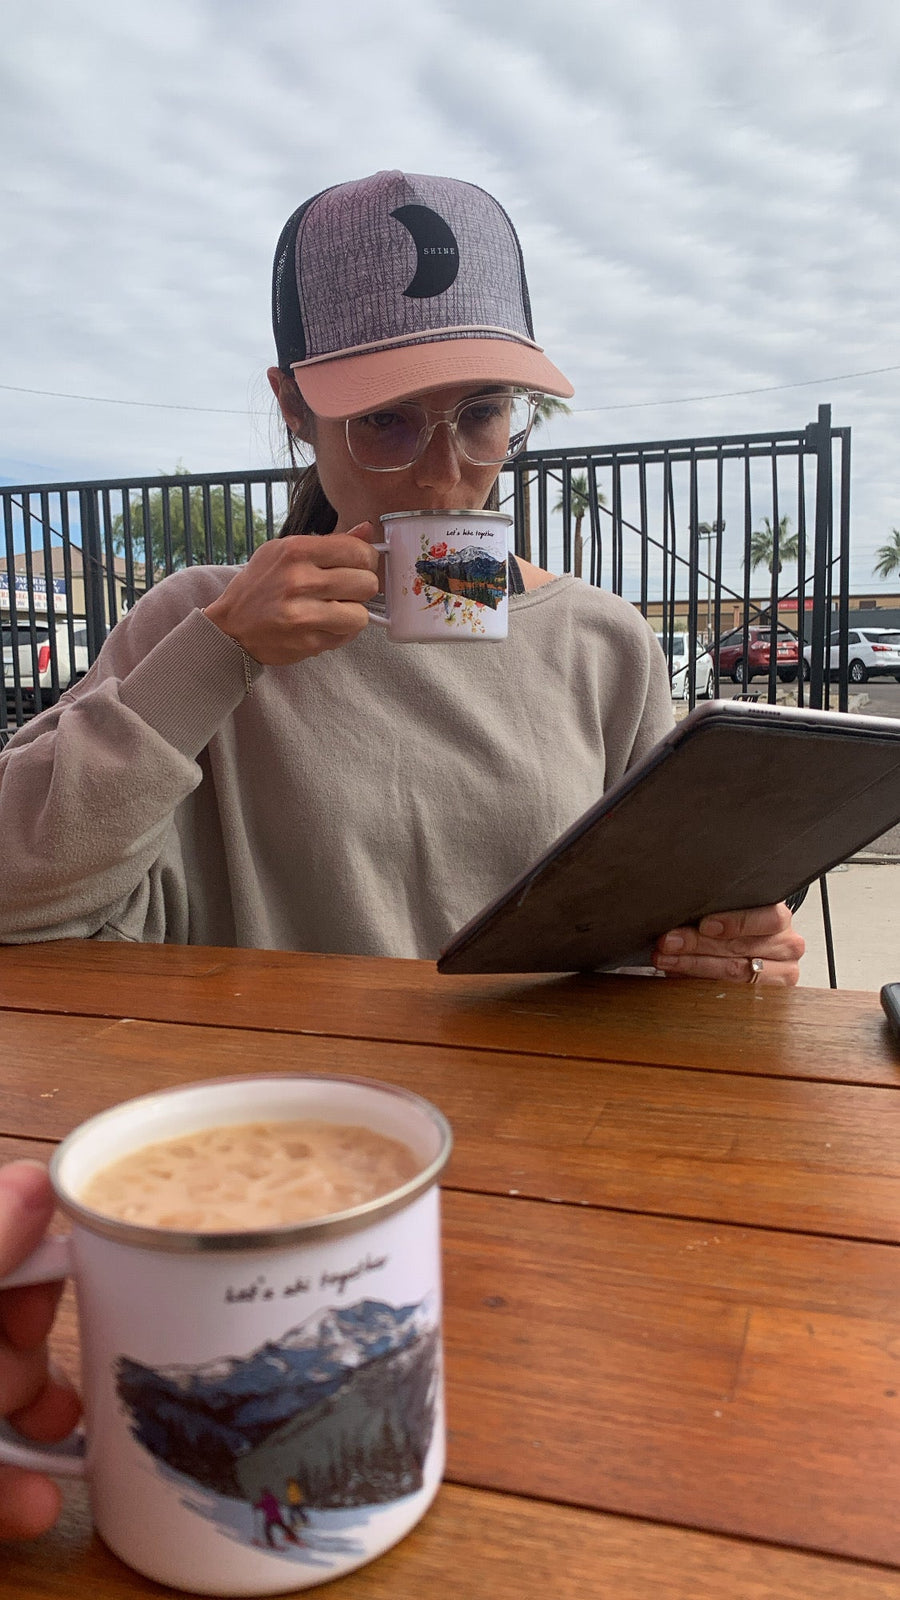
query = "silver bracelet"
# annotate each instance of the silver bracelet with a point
(247, 660)
(248, 670)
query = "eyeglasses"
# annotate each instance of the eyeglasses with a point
(488, 429)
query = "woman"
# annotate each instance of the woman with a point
(248, 762)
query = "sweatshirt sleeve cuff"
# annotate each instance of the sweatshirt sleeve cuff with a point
(189, 683)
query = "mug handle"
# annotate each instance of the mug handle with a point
(51, 1261)
(385, 621)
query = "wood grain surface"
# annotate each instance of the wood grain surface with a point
(761, 1031)
(671, 1141)
(671, 1255)
(475, 1545)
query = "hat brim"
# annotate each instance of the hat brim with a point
(353, 384)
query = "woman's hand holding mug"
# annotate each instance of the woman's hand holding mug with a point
(40, 1406)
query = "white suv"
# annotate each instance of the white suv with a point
(703, 671)
(35, 653)
(871, 653)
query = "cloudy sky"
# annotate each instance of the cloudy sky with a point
(708, 199)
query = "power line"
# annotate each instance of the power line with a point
(105, 400)
(730, 394)
(577, 411)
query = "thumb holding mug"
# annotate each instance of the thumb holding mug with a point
(38, 1405)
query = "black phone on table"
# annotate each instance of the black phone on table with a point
(890, 1000)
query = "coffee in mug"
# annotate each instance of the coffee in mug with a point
(250, 1175)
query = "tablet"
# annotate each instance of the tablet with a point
(740, 806)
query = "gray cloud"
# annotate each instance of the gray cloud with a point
(708, 201)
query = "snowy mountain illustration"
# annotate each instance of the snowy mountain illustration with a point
(471, 573)
(343, 1405)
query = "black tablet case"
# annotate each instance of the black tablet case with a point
(740, 806)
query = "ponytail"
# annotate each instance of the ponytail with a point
(309, 510)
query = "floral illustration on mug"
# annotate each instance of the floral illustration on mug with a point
(460, 582)
(335, 1416)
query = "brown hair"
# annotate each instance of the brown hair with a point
(309, 509)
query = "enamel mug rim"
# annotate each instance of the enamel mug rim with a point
(175, 1240)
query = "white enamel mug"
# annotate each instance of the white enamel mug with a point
(263, 1411)
(446, 576)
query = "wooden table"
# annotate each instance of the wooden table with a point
(672, 1221)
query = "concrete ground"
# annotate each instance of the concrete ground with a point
(864, 900)
(863, 897)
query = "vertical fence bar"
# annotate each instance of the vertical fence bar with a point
(693, 580)
(843, 614)
(88, 501)
(249, 518)
(819, 436)
(12, 613)
(617, 550)
(543, 489)
(773, 584)
(744, 679)
(50, 596)
(719, 529)
(645, 546)
(112, 597)
(168, 542)
(596, 563)
(65, 537)
(670, 538)
(521, 514)
(802, 629)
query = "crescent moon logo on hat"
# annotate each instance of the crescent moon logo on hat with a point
(437, 251)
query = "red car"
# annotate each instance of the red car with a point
(731, 654)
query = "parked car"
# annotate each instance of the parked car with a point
(703, 670)
(871, 653)
(758, 640)
(34, 652)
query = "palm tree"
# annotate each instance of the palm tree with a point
(762, 545)
(888, 556)
(579, 506)
(548, 406)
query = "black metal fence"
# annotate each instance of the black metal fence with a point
(682, 527)
(674, 525)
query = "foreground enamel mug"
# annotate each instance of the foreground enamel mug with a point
(446, 576)
(263, 1411)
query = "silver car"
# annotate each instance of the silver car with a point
(871, 653)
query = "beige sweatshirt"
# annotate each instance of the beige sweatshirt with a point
(369, 801)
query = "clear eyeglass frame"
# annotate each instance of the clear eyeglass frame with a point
(433, 419)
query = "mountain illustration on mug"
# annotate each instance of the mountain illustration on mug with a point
(342, 1407)
(470, 573)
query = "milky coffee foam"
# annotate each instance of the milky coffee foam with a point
(250, 1176)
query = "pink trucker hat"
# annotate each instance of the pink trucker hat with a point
(400, 283)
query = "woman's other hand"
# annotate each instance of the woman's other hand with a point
(726, 945)
(39, 1406)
